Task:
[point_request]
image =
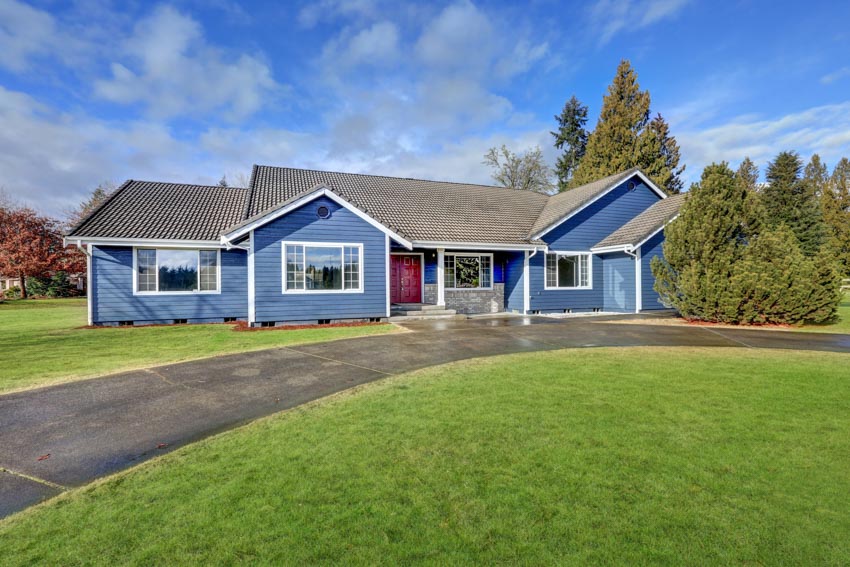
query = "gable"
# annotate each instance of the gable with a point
(603, 216)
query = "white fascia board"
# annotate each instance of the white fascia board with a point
(652, 186)
(647, 239)
(618, 248)
(320, 191)
(436, 244)
(142, 242)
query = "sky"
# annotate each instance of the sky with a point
(96, 91)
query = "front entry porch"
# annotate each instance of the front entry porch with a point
(414, 311)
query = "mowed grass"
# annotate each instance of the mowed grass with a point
(629, 456)
(840, 325)
(42, 341)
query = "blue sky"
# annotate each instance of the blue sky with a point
(93, 90)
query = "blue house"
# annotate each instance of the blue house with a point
(302, 246)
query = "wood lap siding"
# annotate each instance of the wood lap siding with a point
(580, 233)
(650, 249)
(113, 298)
(303, 225)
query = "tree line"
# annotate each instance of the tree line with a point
(626, 136)
(744, 252)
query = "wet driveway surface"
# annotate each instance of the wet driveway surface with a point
(67, 435)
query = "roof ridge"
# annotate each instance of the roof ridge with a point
(187, 184)
(247, 209)
(397, 177)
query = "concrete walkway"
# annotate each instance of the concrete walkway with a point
(67, 435)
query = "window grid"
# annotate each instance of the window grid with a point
(296, 268)
(485, 271)
(580, 270)
(484, 277)
(449, 270)
(208, 266)
(146, 268)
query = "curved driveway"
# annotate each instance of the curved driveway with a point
(95, 427)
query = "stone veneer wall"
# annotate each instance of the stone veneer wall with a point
(470, 300)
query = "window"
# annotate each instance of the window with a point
(165, 270)
(322, 267)
(567, 270)
(468, 271)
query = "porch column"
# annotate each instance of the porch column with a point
(441, 277)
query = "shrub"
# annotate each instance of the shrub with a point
(13, 292)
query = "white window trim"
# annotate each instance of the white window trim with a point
(342, 246)
(136, 291)
(589, 255)
(473, 255)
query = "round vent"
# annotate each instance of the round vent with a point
(323, 212)
(632, 185)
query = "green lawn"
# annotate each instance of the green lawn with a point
(41, 341)
(628, 456)
(842, 325)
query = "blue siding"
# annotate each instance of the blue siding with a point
(649, 250)
(304, 225)
(580, 233)
(618, 272)
(113, 299)
(430, 266)
(514, 281)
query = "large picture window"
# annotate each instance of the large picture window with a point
(567, 271)
(169, 270)
(468, 271)
(320, 267)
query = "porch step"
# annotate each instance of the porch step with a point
(422, 312)
(417, 307)
(403, 318)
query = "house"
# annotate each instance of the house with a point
(305, 246)
(9, 282)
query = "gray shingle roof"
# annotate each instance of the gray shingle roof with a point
(645, 224)
(147, 209)
(563, 204)
(418, 210)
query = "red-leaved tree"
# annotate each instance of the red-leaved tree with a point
(30, 245)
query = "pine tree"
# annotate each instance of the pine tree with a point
(835, 204)
(747, 177)
(571, 137)
(624, 137)
(701, 247)
(790, 200)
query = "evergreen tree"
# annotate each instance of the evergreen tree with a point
(747, 176)
(835, 204)
(790, 200)
(98, 196)
(659, 156)
(571, 137)
(702, 245)
(624, 137)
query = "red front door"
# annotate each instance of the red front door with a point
(405, 278)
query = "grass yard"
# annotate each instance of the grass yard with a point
(842, 325)
(631, 456)
(41, 341)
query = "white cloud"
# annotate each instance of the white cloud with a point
(27, 34)
(609, 17)
(328, 10)
(830, 78)
(822, 129)
(376, 45)
(168, 66)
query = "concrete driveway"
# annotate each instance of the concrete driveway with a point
(67, 435)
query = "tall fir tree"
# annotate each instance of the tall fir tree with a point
(835, 204)
(571, 139)
(747, 176)
(789, 199)
(659, 155)
(624, 137)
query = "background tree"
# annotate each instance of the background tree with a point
(835, 204)
(525, 171)
(30, 245)
(624, 137)
(98, 196)
(571, 138)
(789, 200)
(747, 176)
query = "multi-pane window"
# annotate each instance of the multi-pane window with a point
(176, 270)
(468, 271)
(322, 267)
(567, 270)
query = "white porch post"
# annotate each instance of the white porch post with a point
(638, 277)
(441, 277)
(252, 310)
(526, 285)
